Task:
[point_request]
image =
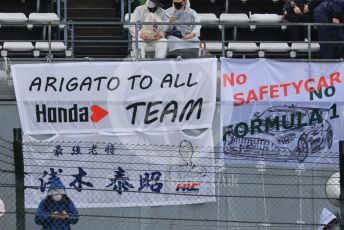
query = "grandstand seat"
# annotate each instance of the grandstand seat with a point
(241, 47)
(267, 47)
(266, 18)
(55, 46)
(214, 47)
(44, 17)
(13, 17)
(303, 48)
(18, 46)
(234, 18)
(237, 18)
(208, 18)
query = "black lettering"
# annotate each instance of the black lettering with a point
(256, 125)
(315, 117)
(73, 113)
(83, 116)
(192, 105)
(40, 113)
(318, 94)
(149, 83)
(134, 107)
(243, 130)
(61, 84)
(167, 110)
(269, 124)
(62, 115)
(176, 82)
(133, 80)
(299, 120)
(73, 85)
(330, 91)
(167, 79)
(50, 83)
(189, 84)
(150, 113)
(288, 124)
(99, 79)
(334, 112)
(36, 82)
(86, 82)
(116, 83)
(52, 115)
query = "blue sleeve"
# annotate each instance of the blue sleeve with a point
(73, 213)
(42, 216)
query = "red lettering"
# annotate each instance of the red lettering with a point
(273, 90)
(322, 83)
(285, 88)
(229, 79)
(335, 77)
(238, 100)
(232, 79)
(252, 96)
(297, 86)
(262, 91)
(307, 88)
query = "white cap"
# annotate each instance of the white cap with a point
(150, 4)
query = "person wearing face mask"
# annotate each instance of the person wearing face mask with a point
(57, 211)
(181, 12)
(150, 35)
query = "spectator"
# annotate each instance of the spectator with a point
(330, 12)
(57, 211)
(150, 35)
(293, 12)
(182, 13)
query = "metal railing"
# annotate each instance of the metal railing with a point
(223, 27)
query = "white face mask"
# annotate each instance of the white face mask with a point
(57, 196)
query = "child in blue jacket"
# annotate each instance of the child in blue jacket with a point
(56, 211)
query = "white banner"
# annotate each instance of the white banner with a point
(282, 113)
(122, 170)
(115, 96)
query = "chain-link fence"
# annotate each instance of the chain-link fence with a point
(110, 185)
(7, 186)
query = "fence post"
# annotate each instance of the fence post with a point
(341, 181)
(19, 174)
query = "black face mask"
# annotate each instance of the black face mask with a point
(152, 10)
(178, 5)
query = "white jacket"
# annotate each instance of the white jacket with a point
(142, 14)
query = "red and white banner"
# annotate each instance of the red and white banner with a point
(282, 113)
